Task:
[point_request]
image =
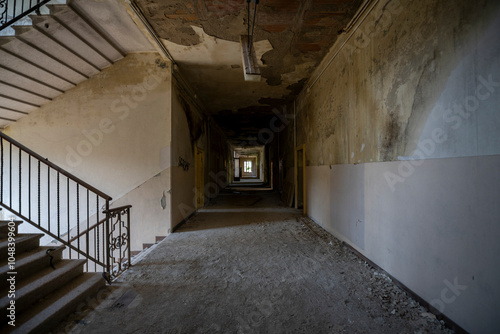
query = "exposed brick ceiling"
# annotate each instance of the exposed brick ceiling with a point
(299, 34)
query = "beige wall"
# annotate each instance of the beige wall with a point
(191, 128)
(114, 126)
(124, 132)
(188, 132)
(113, 132)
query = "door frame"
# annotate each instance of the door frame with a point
(296, 178)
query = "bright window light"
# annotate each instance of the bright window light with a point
(247, 166)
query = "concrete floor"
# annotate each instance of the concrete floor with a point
(245, 264)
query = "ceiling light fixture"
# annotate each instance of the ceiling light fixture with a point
(250, 69)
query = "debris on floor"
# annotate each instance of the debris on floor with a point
(255, 272)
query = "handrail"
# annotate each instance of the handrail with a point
(90, 257)
(60, 204)
(110, 211)
(54, 166)
(120, 208)
(81, 234)
(17, 15)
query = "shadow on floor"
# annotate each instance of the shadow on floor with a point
(208, 220)
(231, 209)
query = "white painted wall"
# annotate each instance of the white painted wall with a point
(439, 227)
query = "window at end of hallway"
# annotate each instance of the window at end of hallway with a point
(247, 166)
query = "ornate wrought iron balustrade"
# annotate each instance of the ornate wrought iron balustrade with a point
(119, 239)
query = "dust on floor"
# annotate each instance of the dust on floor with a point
(252, 271)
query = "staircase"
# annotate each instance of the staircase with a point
(41, 56)
(43, 295)
(59, 49)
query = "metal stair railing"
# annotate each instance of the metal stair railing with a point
(64, 207)
(13, 10)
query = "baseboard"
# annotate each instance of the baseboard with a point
(449, 323)
(182, 222)
(159, 238)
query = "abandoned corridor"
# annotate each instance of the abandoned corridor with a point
(247, 264)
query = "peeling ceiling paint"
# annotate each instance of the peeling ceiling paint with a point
(291, 38)
(214, 67)
(212, 51)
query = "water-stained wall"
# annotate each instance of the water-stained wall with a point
(411, 67)
(401, 127)
(194, 131)
(113, 132)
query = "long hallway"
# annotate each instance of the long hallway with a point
(245, 264)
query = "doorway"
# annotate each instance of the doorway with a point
(300, 178)
(237, 169)
(199, 178)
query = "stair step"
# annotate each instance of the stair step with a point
(32, 69)
(21, 29)
(29, 263)
(34, 37)
(6, 40)
(89, 32)
(31, 290)
(24, 243)
(56, 8)
(47, 24)
(47, 313)
(4, 227)
(134, 253)
(37, 19)
(25, 51)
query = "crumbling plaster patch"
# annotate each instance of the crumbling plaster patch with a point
(381, 87)
(300, 33)
(214, 66)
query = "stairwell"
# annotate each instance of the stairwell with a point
(41, 57)
(51, 53)
(47, 288)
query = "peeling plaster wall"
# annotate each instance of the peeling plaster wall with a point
(401, 76)
(113, 131)
(418, 80)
